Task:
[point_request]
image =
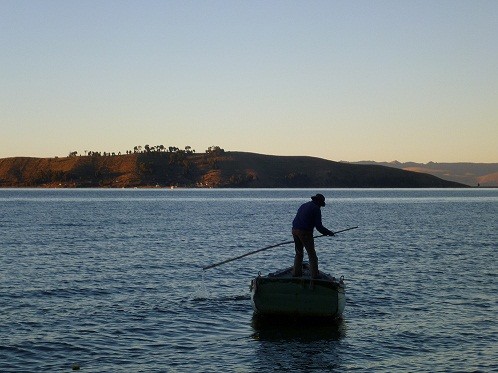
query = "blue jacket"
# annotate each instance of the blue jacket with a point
(309, 216)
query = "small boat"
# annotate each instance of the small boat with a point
(280, 293)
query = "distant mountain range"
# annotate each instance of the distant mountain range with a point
(473, 174)
(215, 169)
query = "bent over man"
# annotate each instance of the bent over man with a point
(308, 217)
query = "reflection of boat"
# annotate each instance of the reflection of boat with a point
(307, 329)
(280, 293)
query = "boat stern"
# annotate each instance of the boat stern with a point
(298, 296)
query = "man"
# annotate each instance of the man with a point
(308, 217)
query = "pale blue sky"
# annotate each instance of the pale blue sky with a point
(341, 80)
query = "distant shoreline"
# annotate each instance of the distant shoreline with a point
(473, 174)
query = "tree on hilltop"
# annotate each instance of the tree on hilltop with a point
(215, 150)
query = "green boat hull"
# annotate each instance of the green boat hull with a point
(282, 294)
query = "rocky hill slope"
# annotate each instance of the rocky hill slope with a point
(216, 169)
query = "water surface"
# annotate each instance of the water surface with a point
(111, 280)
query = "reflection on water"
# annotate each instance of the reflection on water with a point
(298, 344)
(278, 328)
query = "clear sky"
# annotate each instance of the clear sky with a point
(342, 80)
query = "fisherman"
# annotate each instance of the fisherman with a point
(308, 217)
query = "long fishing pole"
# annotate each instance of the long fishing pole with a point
(266, 248)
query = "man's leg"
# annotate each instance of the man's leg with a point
(298, 259)
(309, 244)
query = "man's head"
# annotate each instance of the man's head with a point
(319, 199)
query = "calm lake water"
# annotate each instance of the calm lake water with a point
(111, 281)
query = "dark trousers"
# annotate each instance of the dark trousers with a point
(304, 239)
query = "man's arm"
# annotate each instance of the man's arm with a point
(319, 226)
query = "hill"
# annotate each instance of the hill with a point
(474, 174)
(211, 170)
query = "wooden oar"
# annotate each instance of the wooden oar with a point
(265, 248)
